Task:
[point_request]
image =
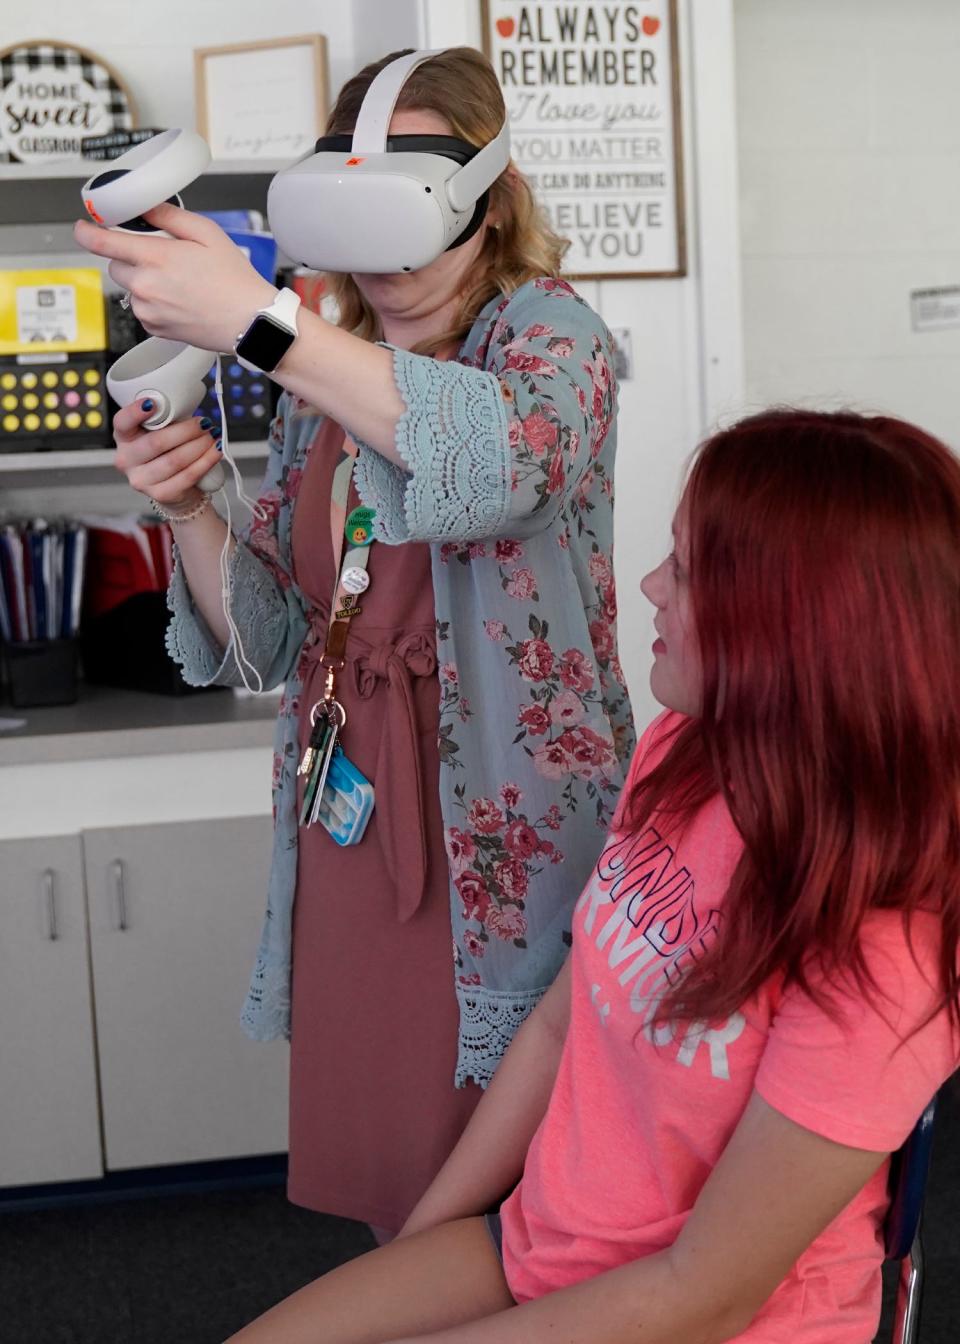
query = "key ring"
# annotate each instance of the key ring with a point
(329, 706)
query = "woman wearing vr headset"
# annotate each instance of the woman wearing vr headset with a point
(472, 647)
(763, 990)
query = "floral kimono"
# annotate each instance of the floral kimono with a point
(509, 453)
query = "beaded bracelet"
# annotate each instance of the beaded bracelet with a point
(181, 517)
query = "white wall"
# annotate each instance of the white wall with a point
(381, 26)
(151, 46)
(849, 128)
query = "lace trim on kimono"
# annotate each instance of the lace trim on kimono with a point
(254, 606)
(488, 1023)
(453, 436)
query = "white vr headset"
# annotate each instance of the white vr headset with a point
(378, 203)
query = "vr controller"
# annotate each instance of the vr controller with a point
(147, 175)
(170, 373)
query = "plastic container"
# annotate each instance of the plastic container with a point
(347, 801)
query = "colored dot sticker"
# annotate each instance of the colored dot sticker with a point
(73, 420)
(29, 380)
(91, 378)
(31, 422)
(11, 424)
(71, 378)
(9, 402)
(51, 400)
(7, 381)
(51, 421)
(94, 419)
(30, 401)
(50, 379)
(71, 398)
(93, 398)
(359, 528)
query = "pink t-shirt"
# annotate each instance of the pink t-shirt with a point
(638, 1118)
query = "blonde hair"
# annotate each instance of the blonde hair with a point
(460, 85)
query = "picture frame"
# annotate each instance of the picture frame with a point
(593, 96)
(262, 100)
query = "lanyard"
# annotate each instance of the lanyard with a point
(350, 562)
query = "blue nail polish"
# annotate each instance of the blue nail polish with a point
(146, 405)
(206, 423)
(218, 444)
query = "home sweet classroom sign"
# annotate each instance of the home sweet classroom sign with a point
(592, 92)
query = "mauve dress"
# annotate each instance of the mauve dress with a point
(373, 1109)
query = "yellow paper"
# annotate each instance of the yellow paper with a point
(46, 311)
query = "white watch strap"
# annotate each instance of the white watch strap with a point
(284, 307)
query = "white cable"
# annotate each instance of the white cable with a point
(256, 509)
(226, 587)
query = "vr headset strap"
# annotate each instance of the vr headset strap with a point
(373, 121)
(469, 183)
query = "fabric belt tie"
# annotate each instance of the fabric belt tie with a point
(399, 766)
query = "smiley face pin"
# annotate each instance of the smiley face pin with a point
(359, 528)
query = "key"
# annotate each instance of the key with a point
(320, 721)
(337, 719)
(313, 778)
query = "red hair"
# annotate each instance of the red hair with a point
(825, 581)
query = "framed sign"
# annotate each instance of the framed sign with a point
(593, 95)
(53, 96)
(262, 100)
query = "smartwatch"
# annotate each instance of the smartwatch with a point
(270, 335)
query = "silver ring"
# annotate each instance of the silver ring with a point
(124, 301)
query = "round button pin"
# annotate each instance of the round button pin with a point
(359, 528)
(355, 580)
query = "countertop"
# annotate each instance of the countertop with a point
(106, 722)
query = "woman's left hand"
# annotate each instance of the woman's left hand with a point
(195, 286)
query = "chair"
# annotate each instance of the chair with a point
(902, 1240)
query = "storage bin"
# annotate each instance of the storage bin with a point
(42, 672)
(126, 647)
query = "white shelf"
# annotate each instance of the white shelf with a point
(78, 459)
(84, 168)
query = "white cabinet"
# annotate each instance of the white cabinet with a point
(124, 959)
(175, 915)
(49, 1119)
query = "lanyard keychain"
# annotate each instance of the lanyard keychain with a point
(336, 794)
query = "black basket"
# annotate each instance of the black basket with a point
(126, 647)
(42, 672)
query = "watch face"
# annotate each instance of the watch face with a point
(265, 343)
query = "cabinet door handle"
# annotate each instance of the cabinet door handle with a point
(119, 891)
(48, 885)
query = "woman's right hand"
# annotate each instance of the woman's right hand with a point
(164, 464)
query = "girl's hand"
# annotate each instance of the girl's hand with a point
(164, 464)
(195, 286)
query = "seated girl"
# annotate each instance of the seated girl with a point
(762, 993)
